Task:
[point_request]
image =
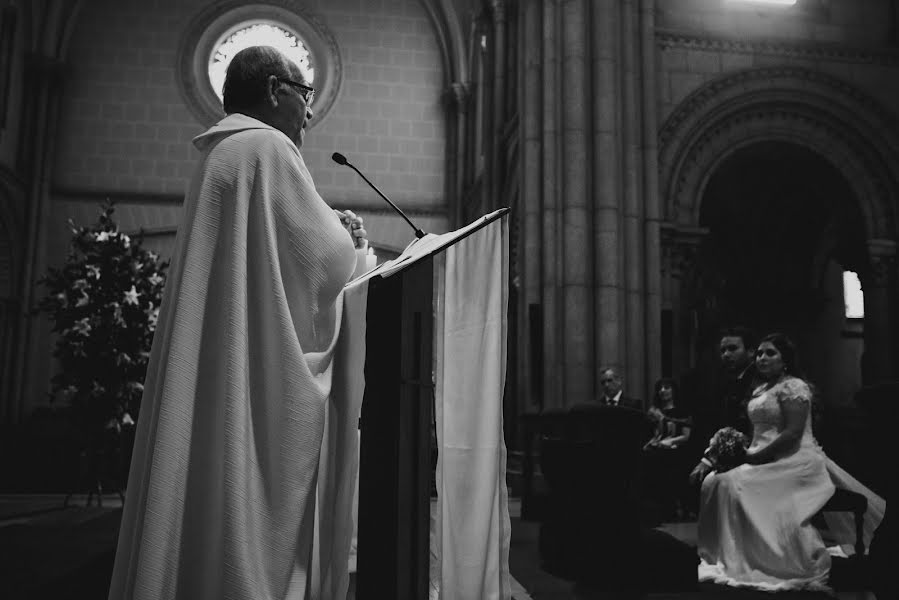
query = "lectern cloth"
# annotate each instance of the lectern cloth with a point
(220, 499)
(471, 529)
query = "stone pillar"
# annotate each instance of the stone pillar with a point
(532, 357)
(498, 12)
(652, 198)
(679, 249)
(456, 98)
(577, 208)
(592, 265)
(43, 86)
(879, 287)
(551, 256)
(608, 240)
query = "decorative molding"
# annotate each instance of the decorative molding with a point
(140, 198)
(883, 261)
(883, 270)
(666, 39)
(829, 116)
(151, 232)
(61, 194)
(456, 96)
(680, 248)
(419, 212)
(498, 10)
(782, 77)
(448, 33)
(213, 21)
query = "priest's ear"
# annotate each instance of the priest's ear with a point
(272, 89)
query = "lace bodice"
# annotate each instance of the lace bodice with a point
(766, 415)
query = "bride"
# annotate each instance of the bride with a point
(755, 520)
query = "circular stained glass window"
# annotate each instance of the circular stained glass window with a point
(221, 30)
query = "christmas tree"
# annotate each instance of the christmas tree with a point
(104, 302)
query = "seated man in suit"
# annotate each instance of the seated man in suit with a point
(732, 393)
(611, 382)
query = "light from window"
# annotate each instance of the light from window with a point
(257, 34)
(853, 296)
(777, 2)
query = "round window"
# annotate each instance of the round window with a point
(220, 31)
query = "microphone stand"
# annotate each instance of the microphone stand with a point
(418, 232)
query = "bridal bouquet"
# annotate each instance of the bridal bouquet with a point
(728, 446)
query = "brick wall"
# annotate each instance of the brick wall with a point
(126, 127)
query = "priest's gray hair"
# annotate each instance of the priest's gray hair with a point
(246, 79)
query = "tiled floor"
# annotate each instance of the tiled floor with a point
(48, 552)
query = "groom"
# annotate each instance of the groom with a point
(737, 351)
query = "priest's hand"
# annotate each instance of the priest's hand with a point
(353, 224)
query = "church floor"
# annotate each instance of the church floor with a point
(47, 552)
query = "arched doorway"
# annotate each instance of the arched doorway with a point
(755, 159)
(783, 225)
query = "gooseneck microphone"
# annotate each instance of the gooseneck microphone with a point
(340, 159)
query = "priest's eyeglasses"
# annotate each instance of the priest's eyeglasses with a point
(308, 92)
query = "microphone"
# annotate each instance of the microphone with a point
(340, 159)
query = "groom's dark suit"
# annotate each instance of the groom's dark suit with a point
(622, 401)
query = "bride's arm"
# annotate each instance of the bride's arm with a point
(795, 412)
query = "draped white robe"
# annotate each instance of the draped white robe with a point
(221, 496)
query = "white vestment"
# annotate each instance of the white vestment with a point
(221, 496)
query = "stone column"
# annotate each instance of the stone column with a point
(879, 287)
(551, 267)
(456, 98)
(532, 357)
(679, 250)
(498, 12)
(592, 266)
(43, 87)
(652, 199)
(577, 210)
(608, 300)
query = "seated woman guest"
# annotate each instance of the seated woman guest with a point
(666, 460)
(755, 519)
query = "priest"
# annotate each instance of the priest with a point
(221, 494)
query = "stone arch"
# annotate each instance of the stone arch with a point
(830, 117)
(448, 32)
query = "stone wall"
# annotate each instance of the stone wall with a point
(126, 127)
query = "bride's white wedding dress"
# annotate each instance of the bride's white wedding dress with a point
(755, 520)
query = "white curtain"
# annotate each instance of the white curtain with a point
(470, 527)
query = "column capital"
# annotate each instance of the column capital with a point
(881, 247)
(456, 95)
(680, 247)
(498, 10)
(882, 256)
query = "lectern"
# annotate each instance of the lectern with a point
(395, 465)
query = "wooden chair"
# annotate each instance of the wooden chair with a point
(848, 501)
